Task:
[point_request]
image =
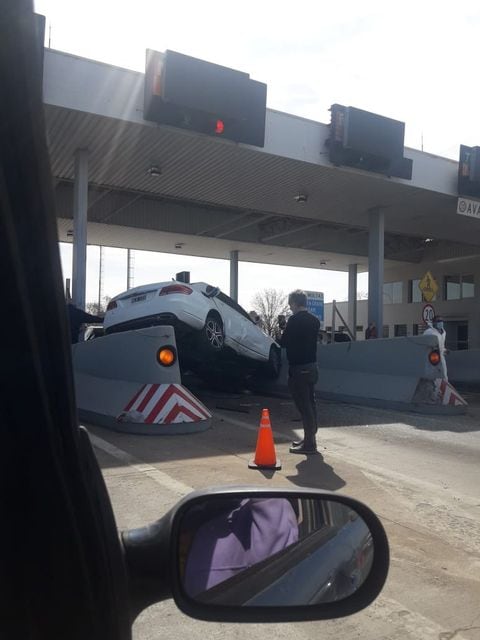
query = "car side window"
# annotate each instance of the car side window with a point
(234, 305)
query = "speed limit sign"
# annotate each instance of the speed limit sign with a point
(428, 313)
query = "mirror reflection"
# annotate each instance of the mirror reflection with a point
(273, 551)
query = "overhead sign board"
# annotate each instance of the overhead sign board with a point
(469, 171)
(192, 94)
(428, 286)
(315, 305)
(469, 208)
(368, 141)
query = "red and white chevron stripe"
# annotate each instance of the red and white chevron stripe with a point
(449, 395)
(164, 404)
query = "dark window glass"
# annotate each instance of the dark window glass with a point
(400, 330)
(234, 305)
(414, 293)
(392, 292)
(452, 288)
(468, 286)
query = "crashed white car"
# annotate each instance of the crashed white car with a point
(215, 321)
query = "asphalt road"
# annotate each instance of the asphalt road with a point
(420, 474)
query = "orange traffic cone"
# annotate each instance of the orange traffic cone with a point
(265, 456)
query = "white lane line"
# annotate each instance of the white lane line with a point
(412, 621)
(166, 481)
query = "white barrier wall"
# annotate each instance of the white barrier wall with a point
(393, 373)
(464, 366)
(120, 384)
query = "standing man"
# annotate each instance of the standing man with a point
(300, 340)
(371, 331)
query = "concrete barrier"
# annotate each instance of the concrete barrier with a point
(394, 373)
(464, 367)
(120, 384)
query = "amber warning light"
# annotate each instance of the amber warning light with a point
(166, 356)
(434, 357)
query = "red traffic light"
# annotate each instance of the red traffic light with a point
(219, 127)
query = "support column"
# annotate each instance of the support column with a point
(352, 298)
(375, 268)
(234, 275)
(130, 268)
(100, 278)
(80, 208)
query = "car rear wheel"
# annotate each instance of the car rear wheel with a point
(213, 334)
(274, 362)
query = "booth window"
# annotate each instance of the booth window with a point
(400, 330)
(414, 293)
(468, 286)
(458, 287)
(393, 293)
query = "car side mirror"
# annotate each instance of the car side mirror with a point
(253, 555)
(211, 292)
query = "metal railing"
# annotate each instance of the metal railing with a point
(335, 311)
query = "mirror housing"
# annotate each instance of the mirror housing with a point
(212, 292)
(152, 557)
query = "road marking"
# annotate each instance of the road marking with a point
(161, 478)
(412, 622)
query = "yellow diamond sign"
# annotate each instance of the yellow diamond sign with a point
(428, 286)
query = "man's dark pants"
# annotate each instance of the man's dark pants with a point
(301, 382)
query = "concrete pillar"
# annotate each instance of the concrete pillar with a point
(352, 298)
(101, 268)
(375, 268)
(234, 275)
(80, 208)
(130, 268)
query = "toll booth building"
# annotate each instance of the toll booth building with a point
(186, 158)
(454, 296)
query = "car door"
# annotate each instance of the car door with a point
(235, 324)
(258, 340)
(249, 340)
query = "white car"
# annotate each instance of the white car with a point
(216, 322)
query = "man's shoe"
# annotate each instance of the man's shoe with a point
(304, 450)
(297, 443)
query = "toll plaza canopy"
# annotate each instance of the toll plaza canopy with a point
(160, 188)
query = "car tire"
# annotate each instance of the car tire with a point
(274, 364)
(213, 335)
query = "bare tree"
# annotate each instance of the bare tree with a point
(269, 304)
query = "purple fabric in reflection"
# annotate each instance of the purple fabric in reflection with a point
(234, 541)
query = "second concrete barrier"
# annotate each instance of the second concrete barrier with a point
(393, 373)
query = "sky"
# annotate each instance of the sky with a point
(414, 61)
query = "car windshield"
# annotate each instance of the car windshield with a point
(319, 163)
